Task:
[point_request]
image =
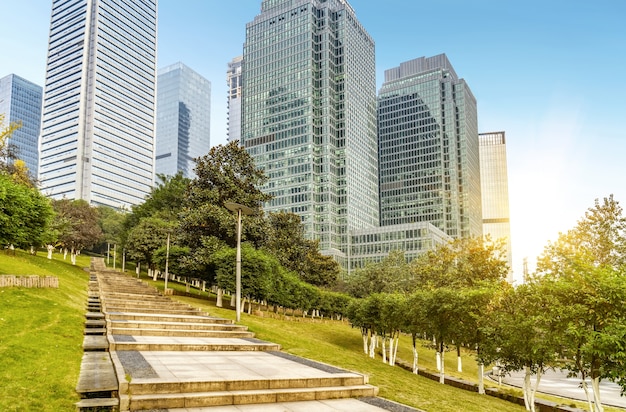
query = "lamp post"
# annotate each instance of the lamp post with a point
(167, 261)
(240, 209)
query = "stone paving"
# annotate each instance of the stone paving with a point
(168, 356)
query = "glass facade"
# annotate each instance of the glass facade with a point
(20, 101)
(428, 148)
(183, 119)
(495, 190)
(97, 137)
(234, 83)
(373, 245)
(309, 116)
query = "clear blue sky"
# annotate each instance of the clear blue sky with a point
(550, 73)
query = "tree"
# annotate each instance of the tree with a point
(524, 331)
(587, 264)
(226, 174)
(25, 214)
(389, 275)
(10, 163)
(77, 225)
(147, 237)
(287, 242)
(111, 224)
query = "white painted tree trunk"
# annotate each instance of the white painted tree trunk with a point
(395, 349)
(442, 377)
(50, 249)
(364, 335)
(529, 391)
(138, 268)
(249, 305)
(595, 385)
(585, 387)
(481, 381)
(73, 256)
(459, 364)
(384, 339)
(155, 275)
(415, 359)
(220, 296)
(233, 300)
(438, 360)
(64, 253)
(373, 344)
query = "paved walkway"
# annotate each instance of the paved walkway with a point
(557, 383)
(171, 357)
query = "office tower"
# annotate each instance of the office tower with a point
(183, 119)
(309, 115)
(97, 138)
(495, 190)
(428, 145)
(233, 80)
(20, 101)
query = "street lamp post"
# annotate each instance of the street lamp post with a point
(240, 209)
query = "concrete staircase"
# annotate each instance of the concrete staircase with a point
(168, 355)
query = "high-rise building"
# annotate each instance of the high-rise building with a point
(20, 101)
(428, 148)
(234, 82)
(495, 190)
(97, 137)
(309, 115)
(183, 119)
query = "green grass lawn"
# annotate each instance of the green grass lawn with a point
(41, 334)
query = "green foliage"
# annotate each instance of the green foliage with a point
(25, 214)
(389, 275)
(286, 241)
(77, 224)
(147, 237)
(164, 201)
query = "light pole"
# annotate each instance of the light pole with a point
(167, 261)
(240, 209)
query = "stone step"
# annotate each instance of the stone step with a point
(220, 385)
(95, 323)
(95, 343)
(138, 324)
(183, 333)
(264, 396)
(328, 405)
(95, 331)
(157, 343)
(97, 375)
(155, 317)
(110, 306)
(94, 315)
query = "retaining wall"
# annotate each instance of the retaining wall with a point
(29, 281)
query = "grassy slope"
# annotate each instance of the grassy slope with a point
(41, 334)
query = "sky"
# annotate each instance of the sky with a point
(550, 73)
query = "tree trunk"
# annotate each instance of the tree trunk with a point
(395, 349)
(50, 249)
(384, 339)
(232, 300)
(64, 253)
(438, 360)
(526, 388)
(442, 377)
(220, 296)
(373, 343)
(415, 359)
(364, 335)
(595, 385)
(459, 362)
(481, 381)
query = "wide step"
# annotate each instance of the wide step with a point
(219, 398)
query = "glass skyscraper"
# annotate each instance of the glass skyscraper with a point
(309, 116)
(20, 101)
(428, 148)
(183, 119)
(234, 82)
(495, 190)
(97, 137)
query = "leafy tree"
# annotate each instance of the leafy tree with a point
(111, 224)
(461, 263)
(226, 174)
(387, 276)
(10, 163)
(77, 225)
(287, 242)
(523, 332)
(165, 201)
(257, 270)
(587, 264)
(25, 214)
(147, 237)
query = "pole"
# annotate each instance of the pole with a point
(108, 252)
(114, 255)
(238, 273)
(123, 259)
(167, 258)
